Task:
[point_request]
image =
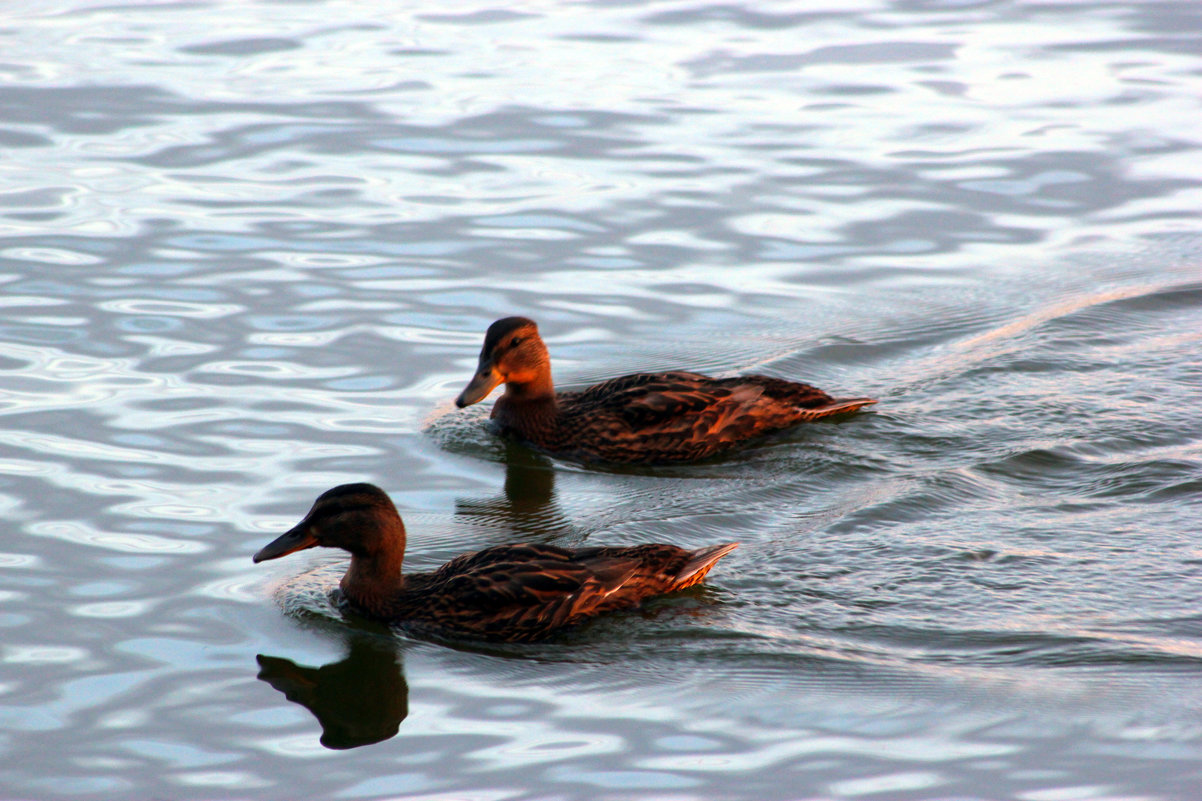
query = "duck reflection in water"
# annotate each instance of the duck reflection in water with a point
(526, 509)
(358, 700)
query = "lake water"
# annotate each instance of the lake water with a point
(248, 251)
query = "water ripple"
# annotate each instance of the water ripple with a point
(82, 534)
(246, 259)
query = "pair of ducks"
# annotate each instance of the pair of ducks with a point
(527, 591)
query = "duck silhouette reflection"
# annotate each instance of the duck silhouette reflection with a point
(358, 700)
(526, 507)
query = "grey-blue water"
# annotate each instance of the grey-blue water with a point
(248, 251)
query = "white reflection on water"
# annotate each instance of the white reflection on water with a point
(42, 654)
(111, 609)
(81, 533)
(51, 256)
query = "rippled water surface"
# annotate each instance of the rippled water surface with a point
(248, 251)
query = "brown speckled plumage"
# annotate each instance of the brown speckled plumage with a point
(512, 593)
(642, 418)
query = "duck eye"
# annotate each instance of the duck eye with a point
(513, 343)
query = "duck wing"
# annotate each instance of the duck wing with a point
(672, 415)
(650, 416)
(526, 591)
(649, 400)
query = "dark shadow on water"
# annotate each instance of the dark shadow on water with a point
(526, 508)
(358, 700)
(529, 483)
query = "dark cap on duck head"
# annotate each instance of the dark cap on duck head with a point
(502, 328)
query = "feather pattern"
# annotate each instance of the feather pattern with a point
(519, 592)
(672, 416)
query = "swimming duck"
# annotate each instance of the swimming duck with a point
(513, 593)
(641, 418)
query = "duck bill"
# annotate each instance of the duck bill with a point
(483, 382)
(296, 539)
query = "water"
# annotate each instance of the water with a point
(249, 251)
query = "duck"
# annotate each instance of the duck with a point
(643, 418)
(511, 593)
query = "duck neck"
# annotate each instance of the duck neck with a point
(373, 580)
(528, 409)
(538, 388)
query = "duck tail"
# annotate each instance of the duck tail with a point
(835, 406)
(699, 563)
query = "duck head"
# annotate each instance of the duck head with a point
(513, 353)
(359, 518)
